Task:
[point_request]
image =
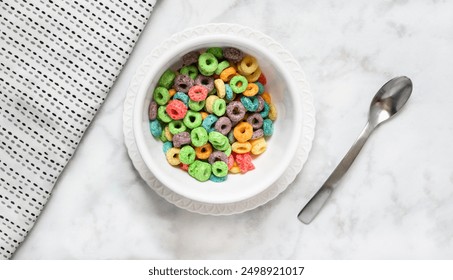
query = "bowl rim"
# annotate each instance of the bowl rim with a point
(181, 48)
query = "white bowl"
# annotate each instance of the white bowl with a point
(286, 94)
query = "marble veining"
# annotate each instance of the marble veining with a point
(396, 201)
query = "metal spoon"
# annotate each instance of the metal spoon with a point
(387, 102)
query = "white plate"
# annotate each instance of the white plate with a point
(282, 182)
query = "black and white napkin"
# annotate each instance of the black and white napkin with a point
(58, 60)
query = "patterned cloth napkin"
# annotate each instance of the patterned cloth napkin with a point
(58, 61)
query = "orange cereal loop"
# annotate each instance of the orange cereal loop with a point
(272, 112)
(172, 92)
(204, 115)
(267, 97)
(251, 90)
(259, 146)
(254, 76)
(241, 148)
(203, 152)
(227, 74)
(235, 168)
(243, 131)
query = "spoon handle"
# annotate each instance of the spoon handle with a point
(312, 208)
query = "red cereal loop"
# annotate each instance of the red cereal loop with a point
(262, 79)
(198, 93)
(176, 109)
(244, 162)
(184, 167)
(230, 161)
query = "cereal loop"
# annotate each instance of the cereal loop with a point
(176, 109)
(167, 78)
(198, 93)
(210, 103)
(172, 156)
(204, 151)
(243, 132)
(262, 79)
(187, 155)
(200, 170)
(272, 112)
(259, 146)
(207, 63)
(189, 70)
(155, 127)
(219, 169)
(220, 87)
(248, 65)
(152, 111)
(168, 134)
(241, 148)
(222, 66)
(227, 74)
(181, 139)
(254, 76)
(162, 114)
(199, 136)
(176, 127)
(207, 82)
(238, 84)
(161, 95)
(192, 119)
(183, 83)
(219, 107)
(251, 90)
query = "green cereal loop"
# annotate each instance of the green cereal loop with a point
(228, 151)
(187, 154)
(167, 79)
(216, 51)
(162, 137)
(219, 141)
(176, 127)
(235, 81)
(200, 170)
(219, 168)
(196, 105)
(161, 95)
(189, 70)
(162, 114)
(207, 63)
(222, 66)
(192, 119)
(219, 107)
(199, 136)
(205, 73)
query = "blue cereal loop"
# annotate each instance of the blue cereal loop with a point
(156, 128)
(250, 103)
(209, 123)
(182, 96)
(265, 112)
(268, 127)
(217, 179)
(260, 87)
(167, 146)
(228, 92)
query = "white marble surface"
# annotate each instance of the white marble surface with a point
(395, 203)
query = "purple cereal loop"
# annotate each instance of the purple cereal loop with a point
(207, 82)
(218, 156)
(223, 125)
(256, 120)
(257, 134)
(182, 83)
(180, 139)
(232, 54)
(190, 58)
(260, 103)
(235, 111)
(152, 110)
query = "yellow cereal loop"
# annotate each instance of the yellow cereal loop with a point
(254, 76)
(235, 168)
(272, 112)
(258, 146)
(248, 65)
(210, 103)
(168, 134)
(220, 87)
(172, 156)
(241, 148)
